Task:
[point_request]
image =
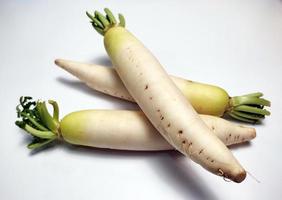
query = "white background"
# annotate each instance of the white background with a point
(233, 44)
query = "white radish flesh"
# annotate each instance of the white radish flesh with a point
(166, 107)
(131, 130)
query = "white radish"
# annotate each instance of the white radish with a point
(100, 78)
(162, 102)
(111, 129)
(131, 130)
(246, 108)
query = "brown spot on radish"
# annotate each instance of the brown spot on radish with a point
(189, 81)
(146, 87)
(183, 142)
(229, 134)
(141, 74)
(212, 161)
(201, 151)
(180, 131)
(242, 139)
(213, 128)
(158, 110)
(151, 98)
(208, 158)
(162, 118)
(168, 125)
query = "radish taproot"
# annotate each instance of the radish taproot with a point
(111, 129)
(246, 108)
(161, 101)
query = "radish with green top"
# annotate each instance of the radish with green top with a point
(161, 101)
(246, 108)
(111, 129)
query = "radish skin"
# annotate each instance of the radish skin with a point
(133, 131)
(106, 80)
(165, 106)
(111, 129)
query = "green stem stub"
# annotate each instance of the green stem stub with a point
(102, 23)
(37, 121)
(248, 108)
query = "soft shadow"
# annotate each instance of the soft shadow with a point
(171, 166)
(80, 86)
(175, 170)
(109, 153)
(47, 148)
(102, 60)
(240, 145)
(27, 139)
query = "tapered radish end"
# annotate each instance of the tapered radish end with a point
(240, 177)
(57, 62)
(253, 133)
(60, 62)
(250, 133)
(236, 176)
(69, 66)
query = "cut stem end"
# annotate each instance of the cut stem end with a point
(248, 108)
(102, 23)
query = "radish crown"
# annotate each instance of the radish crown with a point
(103, 23)
(36, 120)
(248, 108)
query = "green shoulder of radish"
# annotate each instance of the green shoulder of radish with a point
(111, 129)
(161, 101)
(247, 108)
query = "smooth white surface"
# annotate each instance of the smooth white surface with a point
(234, 44)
